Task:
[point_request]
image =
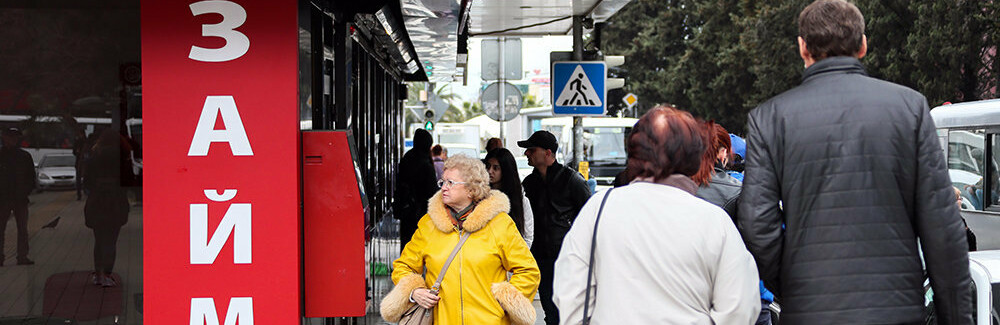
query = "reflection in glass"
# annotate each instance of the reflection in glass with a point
(72, 72)
(965, 165)
(994, 175)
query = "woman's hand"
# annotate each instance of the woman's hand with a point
(425, 298)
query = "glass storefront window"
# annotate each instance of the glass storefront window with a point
(70, 163)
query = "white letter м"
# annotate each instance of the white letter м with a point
(203, 311)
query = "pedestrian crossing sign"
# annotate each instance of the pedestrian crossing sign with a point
(578, 88)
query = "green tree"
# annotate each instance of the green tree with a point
(652, 35)
(460, 115)
(946, 45)
(721, 58)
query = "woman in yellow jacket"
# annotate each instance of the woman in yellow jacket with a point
(475, 289)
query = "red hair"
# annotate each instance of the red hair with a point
(665, 141)
(717, 138)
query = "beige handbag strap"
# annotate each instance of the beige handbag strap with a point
(461, 241)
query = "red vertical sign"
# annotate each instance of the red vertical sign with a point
(221, 224)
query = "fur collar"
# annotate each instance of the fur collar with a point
(494, 203)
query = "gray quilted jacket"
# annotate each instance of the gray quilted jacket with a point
(858, 169)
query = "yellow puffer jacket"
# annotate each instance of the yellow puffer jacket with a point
(475, 290)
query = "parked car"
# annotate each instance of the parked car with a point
(56, 171)
(970, 139)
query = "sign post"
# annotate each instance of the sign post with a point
(221, 238)
(501, 61)
(630, 100)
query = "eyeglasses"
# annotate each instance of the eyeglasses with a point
(450, 183)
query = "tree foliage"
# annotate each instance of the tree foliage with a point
(721, 58)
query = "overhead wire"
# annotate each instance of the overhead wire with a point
(521, 27)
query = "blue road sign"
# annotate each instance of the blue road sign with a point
(578, 88)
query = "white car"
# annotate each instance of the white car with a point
(56, 170)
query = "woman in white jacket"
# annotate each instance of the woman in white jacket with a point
(502, 168)
(663, 256)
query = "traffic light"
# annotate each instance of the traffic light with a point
(429, 125)
(613, 61)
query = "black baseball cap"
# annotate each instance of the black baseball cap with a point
(542, 139)
(11, 132)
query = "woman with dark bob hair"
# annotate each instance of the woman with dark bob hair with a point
(662, 254)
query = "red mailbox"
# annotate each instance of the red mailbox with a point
(332, 226)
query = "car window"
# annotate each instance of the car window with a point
(605, 143)
(58, 161)
(993, 176)
(966, 149)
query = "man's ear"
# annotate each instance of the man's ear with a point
(804, 53)
(864, 47)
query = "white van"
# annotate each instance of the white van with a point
(970, 138)
(603, 143)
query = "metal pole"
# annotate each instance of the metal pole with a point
(577, 121)
(501, 79)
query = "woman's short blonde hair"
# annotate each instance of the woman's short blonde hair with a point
(477, 180)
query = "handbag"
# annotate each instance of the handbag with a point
(590, 268)
(417, 315)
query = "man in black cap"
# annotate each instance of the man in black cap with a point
(556, 193)
(17, 180)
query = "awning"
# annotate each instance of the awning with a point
(434, 26)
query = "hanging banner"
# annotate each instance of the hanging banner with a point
(221, 224)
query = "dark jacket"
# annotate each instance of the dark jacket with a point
(17, 175)
(555, 202)
(723, 191)
(416, 183)
(107, 204)
(857, 167)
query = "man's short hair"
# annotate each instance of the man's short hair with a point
(832, 28)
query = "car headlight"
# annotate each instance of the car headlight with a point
(43, 176)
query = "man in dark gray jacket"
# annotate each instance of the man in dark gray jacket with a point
(557, 193)
(843, 174)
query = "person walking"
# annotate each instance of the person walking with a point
(715, 185)
(502, 168)
(662, 255)
(438, 155)
(415, 184)
(844, 173)
(107, 207)
(17, 180)
(735, 166)
(476, 289)
(557, 193)
(493, 143)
